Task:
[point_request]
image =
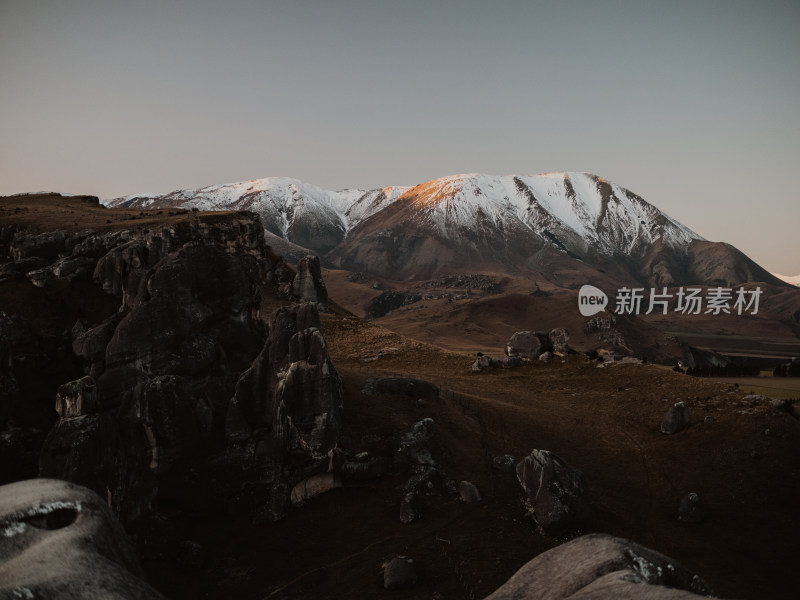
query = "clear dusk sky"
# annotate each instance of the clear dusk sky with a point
(694, 105)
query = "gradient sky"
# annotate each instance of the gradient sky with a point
(694, 105)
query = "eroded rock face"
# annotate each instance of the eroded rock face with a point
(60, 540)
(556, 493)
(284, 418)
(77, 398)
(165, 365)
(602, 567)
(308, 283)
(114, 457)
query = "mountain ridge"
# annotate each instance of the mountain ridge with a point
(515, 223)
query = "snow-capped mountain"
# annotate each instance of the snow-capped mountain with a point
(570, 205)
(298, 212)
(795, 280)
(530, 223)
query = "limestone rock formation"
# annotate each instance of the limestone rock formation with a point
(602, 567)
(528, 344)
(556, 493)
(60, 540)
(308, 283)
(77, 398)
(284, 418)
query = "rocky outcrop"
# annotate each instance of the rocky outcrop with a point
(559, 340)
(160, 373)
(555, 492)
(390, 300)
(285, 416)
(77, 398)
(60, 540)
(602, 567)
(528, 344)
(308, 283)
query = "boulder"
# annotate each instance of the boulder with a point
(409, 508)
(602, 567)
(505, 463)
(559, 339)
(481, 363)
(308, 283)
(314, 486)
(414, 445)
(60, 540)
(467, 492)
(676, 419)
(528, 344)
(400, 574)
(556, 493)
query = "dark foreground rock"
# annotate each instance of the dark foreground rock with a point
(556, 493)
(400, 574)
(60, 540)
(602, 567)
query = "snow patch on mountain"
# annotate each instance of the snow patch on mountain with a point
(576, 206)
(792, 279)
